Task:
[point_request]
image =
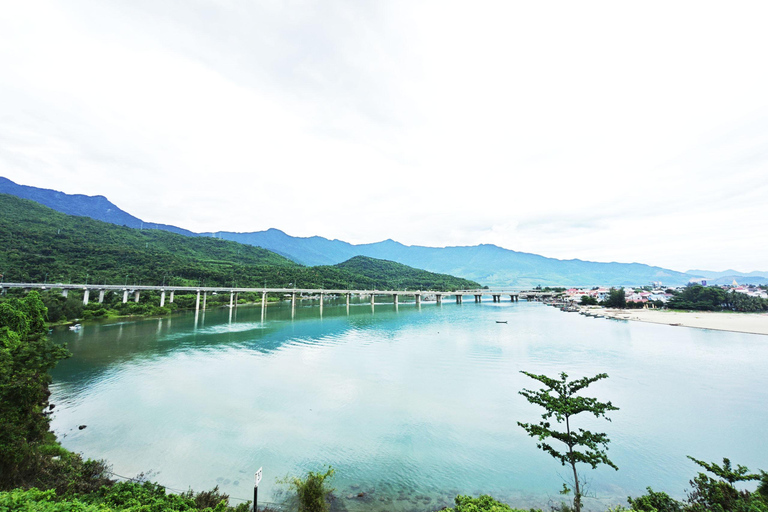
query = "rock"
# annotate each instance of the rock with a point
(350, 496)
(81, 427)
(360, 494)
(51, 406)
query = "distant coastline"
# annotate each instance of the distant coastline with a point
(750, 323)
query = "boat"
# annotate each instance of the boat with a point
(501, 321)
(75, 327)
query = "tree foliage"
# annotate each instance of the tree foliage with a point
(616, 298)
(560, 400)
(312, 493)
(43, 245)
(26, 356)
(482, 503)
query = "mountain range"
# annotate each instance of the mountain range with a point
(488, 264)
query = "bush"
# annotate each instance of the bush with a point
(482, 503)
(312, 492)
(655, 502)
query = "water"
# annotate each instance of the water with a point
(410, 405)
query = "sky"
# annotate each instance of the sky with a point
(605, 131)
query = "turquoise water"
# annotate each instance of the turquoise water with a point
(411, 405)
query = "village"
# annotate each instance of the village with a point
(652, 296)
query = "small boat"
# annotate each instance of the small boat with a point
(501, 321)
(75, 327)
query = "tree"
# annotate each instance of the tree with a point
(712, 495)
(616, 298)
(560, 399)
(26, 355)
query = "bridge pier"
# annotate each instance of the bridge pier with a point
(396, 299)
(418, 299)
(85, 297)
(125, 296)
(205, 299)
(231, 298)
(322, 295)
(162, 298)
(101, 296)
(197, 302)
(459, 298)
(136, 296)
(171, 299)
(478, 298)
(372, 299)
(349, 296)
(439, 298)
(512, 298)
(64, 292)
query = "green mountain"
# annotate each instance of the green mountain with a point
(488, 264)
(95, 207)
(485, 263)
(42, 245)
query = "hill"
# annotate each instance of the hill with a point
(45, 245)
(94, 207)
(488, 264)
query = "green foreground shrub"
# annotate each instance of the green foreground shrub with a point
(312, 493)
(483, 503)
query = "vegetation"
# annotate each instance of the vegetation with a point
(36, 473)
(713, 298)
(118, 496)
(26, 356)
(482, 503)
(383, 274)
(616, 299)
(560, 399)
(45, 246)
(707, 494)
(311, 494)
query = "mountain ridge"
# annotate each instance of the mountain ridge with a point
(488, 264)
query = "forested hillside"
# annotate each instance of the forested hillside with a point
(42, 245)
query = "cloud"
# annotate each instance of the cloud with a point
(602, 131)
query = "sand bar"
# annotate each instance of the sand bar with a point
(753, 323)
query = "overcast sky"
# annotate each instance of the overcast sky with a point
(606, 131)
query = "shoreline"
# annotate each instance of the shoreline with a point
(748, 323)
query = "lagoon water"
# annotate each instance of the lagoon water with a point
(410, 405)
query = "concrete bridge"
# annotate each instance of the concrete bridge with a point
(168, 292)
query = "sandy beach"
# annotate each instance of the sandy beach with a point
(753, 323)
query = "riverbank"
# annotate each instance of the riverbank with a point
(751, 323)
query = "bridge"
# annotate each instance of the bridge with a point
(168, 292)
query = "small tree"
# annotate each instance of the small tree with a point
(711, 495)
(560, 400)
(616, 298)
(312, 492)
